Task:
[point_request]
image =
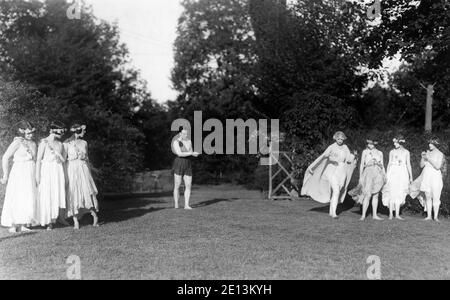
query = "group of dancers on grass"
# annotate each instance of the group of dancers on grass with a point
(327, 179)
(47, 183)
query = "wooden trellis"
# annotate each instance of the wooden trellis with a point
(281, 175)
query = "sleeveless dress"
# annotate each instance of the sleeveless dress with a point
(52, 188)
(397, 179)
(82, 191)
(372, 179)
(336, 170)
(431, 182)
(21, 191)
(182, 166)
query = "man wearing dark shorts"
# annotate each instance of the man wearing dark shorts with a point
(182, 167)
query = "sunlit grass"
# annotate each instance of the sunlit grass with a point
(232, 234)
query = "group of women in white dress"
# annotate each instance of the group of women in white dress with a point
(327, 179)
(48, 183)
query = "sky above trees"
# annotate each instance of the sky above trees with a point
(148, 27)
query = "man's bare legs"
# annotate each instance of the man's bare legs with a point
(176, 190)
(187, 191)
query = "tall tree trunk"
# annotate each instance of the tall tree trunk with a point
(429, 109)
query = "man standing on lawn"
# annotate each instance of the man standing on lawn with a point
(182, 167)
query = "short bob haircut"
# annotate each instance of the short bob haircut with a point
(339, 134)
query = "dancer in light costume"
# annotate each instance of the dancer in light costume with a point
(372, 178)
(428, 187)
(50, 177)
(398, 178)
(21, 192)
(327, 179)
(82, 191)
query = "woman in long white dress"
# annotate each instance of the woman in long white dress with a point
(50, 178)
(20, 197)
(428, 187)
(398, 178)
(82, 191)
(371, 179)
(327, 178)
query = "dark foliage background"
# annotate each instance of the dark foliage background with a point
(314, 65)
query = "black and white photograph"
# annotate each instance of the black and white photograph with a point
(251, 141)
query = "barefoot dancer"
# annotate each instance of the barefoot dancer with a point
(429, 185)
(50, 178)
(371, 180)
(82, 191)
(182, 167)
(398, 178)
(21, 192)
(327, 179)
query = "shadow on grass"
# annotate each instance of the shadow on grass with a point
(130, 208)
(16, 236)
(342, 207)
(212, 202)
(118, 216)
(127, 196)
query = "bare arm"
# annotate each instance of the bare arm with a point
(391, 158)
(40, 156)
(60, 153)
(382, 162)
(363, 163)
(65, 151)
(6, 157)
(408, 164)
(178, 152)
(436, 162)
(33, 150)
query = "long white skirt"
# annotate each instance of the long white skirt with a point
(20, 197)
(432, 184)
(82, 191)
(397, 186)
(52, 193)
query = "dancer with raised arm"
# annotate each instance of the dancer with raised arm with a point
(182, 167)
(21, 192)
(372, 178)
(326, 180)
(82, 191)
(428, 187)
(50, 178)
(398, 178)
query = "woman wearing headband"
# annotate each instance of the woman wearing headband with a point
(20, 198)
(327, 179)
(371, 179)
(50, 178)
(82, 191)
(428, 187)
(398, 178)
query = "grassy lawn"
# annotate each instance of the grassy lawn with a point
(232, 234)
